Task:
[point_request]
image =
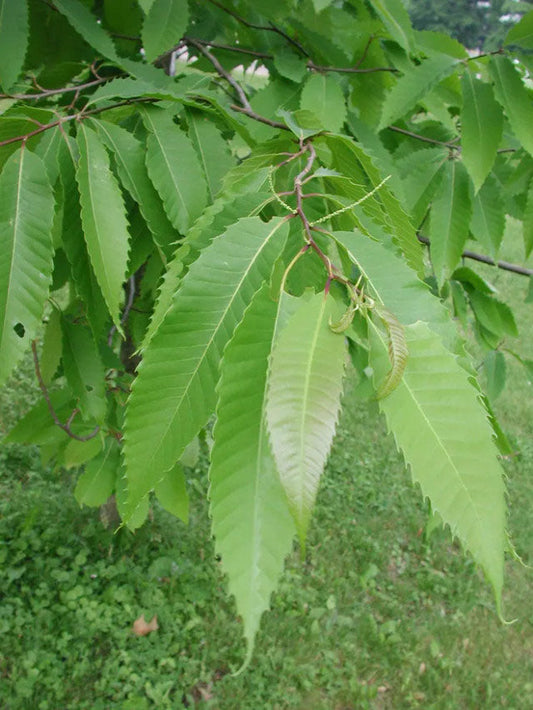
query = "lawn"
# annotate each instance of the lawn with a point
(379, 614)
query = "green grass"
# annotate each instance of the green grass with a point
(377, 616)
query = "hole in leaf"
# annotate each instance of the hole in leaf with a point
(89, 388)
(19, 329)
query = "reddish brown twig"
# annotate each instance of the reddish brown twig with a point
(67, 426)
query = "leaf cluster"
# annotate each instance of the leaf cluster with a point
(215, 212)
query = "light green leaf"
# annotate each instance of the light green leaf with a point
(174, 168)
(88, 27)
(420, 174)
(495, 372)
(252, 525)
(139, 515)
(304, 391)
(413, 86)
(26, 253)
(449, 219)
(171, 492)
(302, 123)
(290, 65)
(493, 315)
(397, 22)
(488, 216)
(97, 482)
(323, 96)
(103, 218)
(522, 33)
(398, 353)
(211, 149)
(440, 42)
(512, 94)
(447, 442)
(84, 370)
(481, 124)
(13, 40)
(129, 156)
(164, 26)
(52, 347)
(174, 392)
(76, 452)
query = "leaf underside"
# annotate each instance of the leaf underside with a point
(442, 429)
(252, 525)
(174, 392)
(305, 387)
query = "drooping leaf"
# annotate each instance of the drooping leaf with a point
(322, 95)
(37, 425)
(137, 518)
(103, 218)
(493, 315)
(164, 26)
(456, 466)
(173, 394)
(13, 40)
(394, 285)
(212, 151)
(97, 482)
(398, 352)
(129, 156)
(73, 241)
(84, 370)
(481, 124)
(396, 20)
(303, 401)
(76, 452)
(512, 94)
(450, 217)
(174, 169)
(165, 297)
(488, 216)
(26, 216)
(413, 86)
(252, 525)
(171, 492)
(495, 372)
(290, 65)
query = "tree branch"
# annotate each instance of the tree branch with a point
(265, 28)
(53, 92)
(417, 136)
(482, 258)
(264, 55)
(79, 116)
(65, 427)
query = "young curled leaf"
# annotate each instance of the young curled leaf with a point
(398, 352)
(344, 321)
